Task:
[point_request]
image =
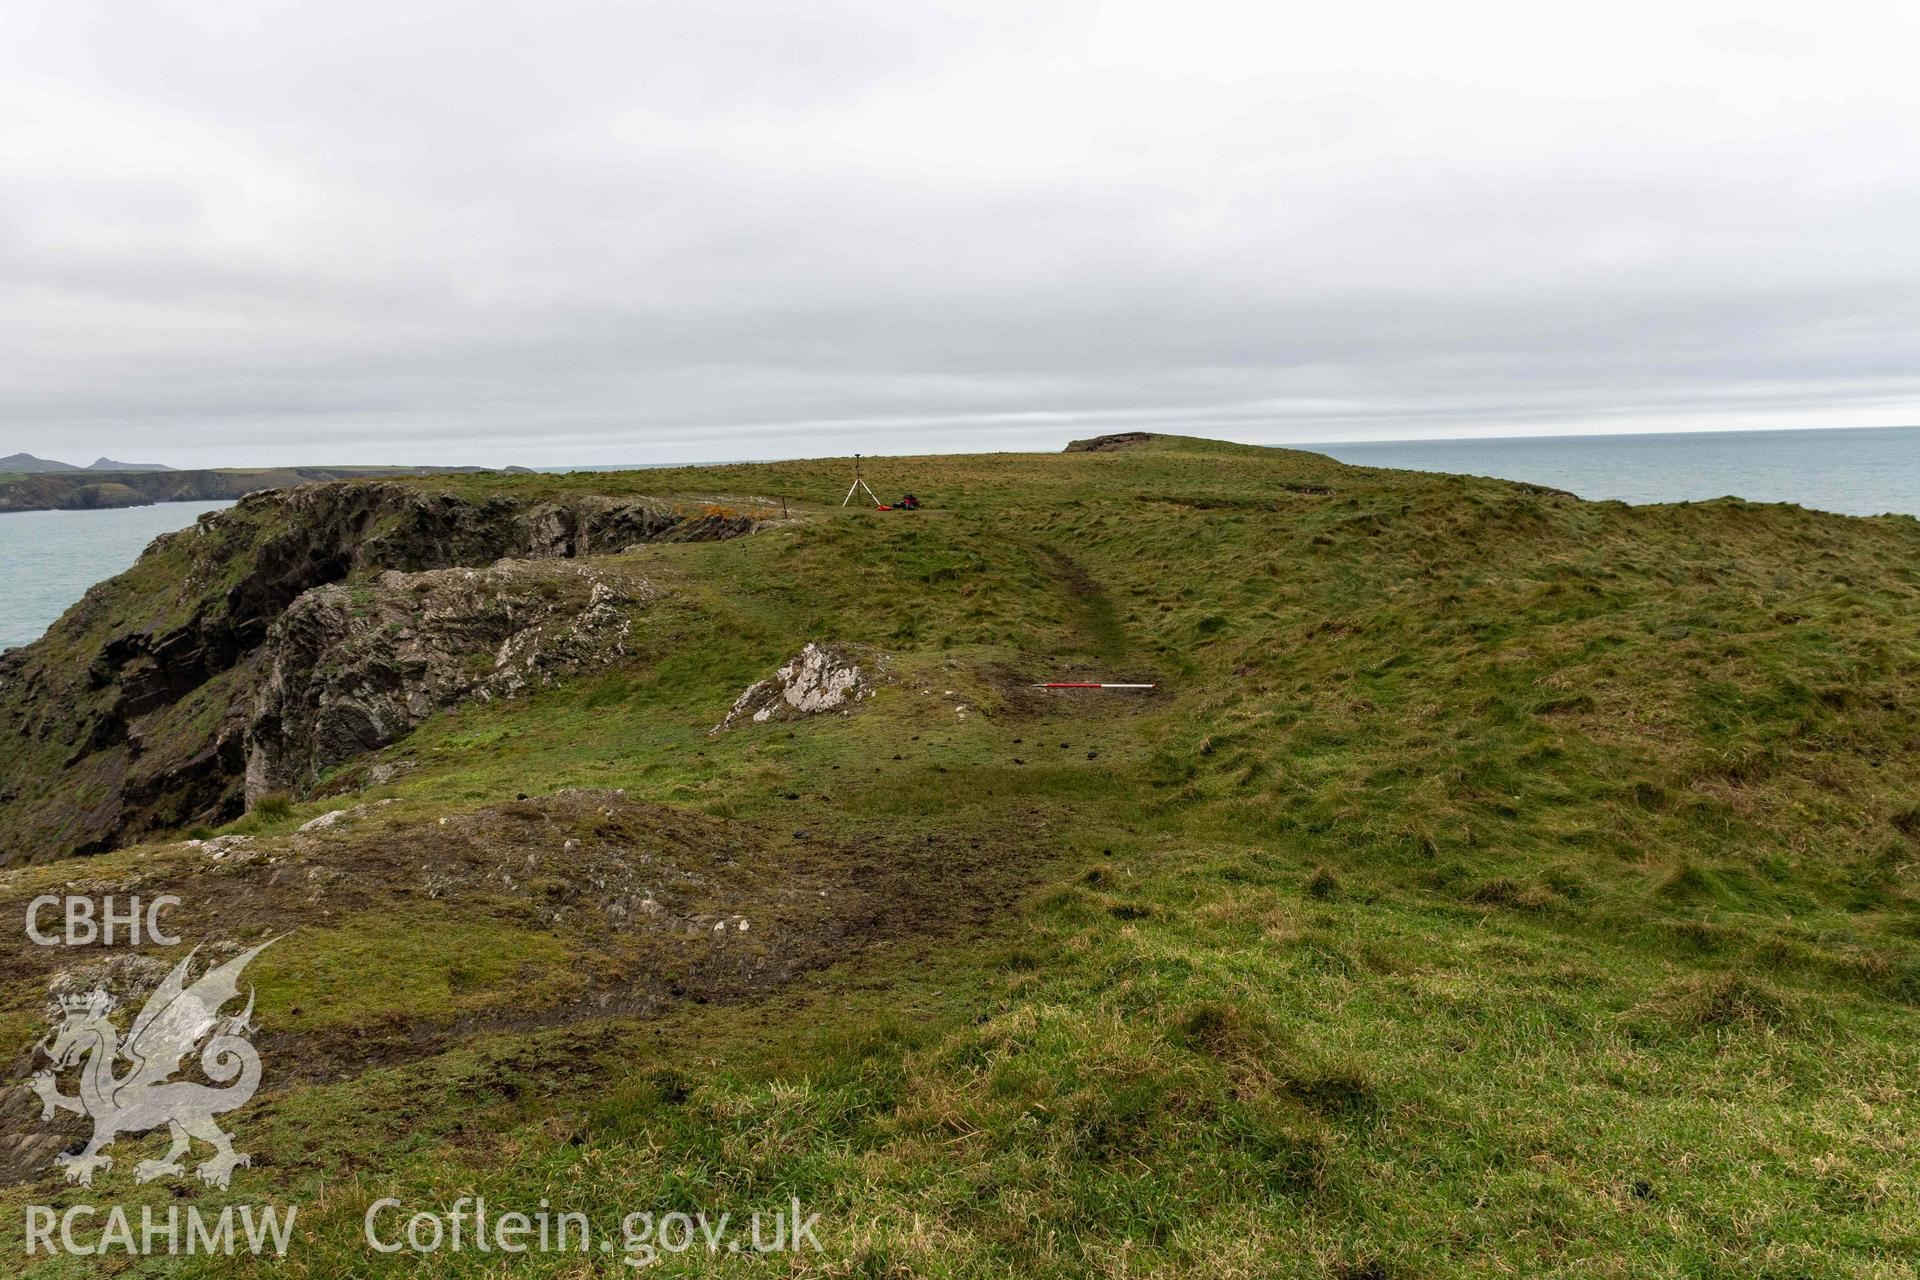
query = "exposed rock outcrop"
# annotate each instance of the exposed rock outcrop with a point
(133, 713)
(1109, 444)
(820, 678)
(350, 669)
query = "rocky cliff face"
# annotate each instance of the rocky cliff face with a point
(350, 669)
(142, 707)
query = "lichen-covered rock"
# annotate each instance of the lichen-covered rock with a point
(821, 678)
(350, 669)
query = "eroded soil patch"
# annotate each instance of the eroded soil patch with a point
(401, 937)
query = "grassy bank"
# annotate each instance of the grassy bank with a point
(1497, 884)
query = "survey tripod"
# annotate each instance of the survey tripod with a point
(859, 483)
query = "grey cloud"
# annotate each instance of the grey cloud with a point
(587, 233)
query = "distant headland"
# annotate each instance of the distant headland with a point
(28, 483)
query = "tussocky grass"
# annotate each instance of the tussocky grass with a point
(1499, 884)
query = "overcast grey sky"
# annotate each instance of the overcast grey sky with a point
(284, 231)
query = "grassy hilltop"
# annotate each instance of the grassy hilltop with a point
(1498, 884)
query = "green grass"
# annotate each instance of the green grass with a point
(417, 966)
(1498, 885)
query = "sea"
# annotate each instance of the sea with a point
(49, 558)
(1865, 471)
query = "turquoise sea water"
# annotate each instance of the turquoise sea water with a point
(1862, 472)
(49, 558)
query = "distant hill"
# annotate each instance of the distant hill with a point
(27, 463)
(108, 464)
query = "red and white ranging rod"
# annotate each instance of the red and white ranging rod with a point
(1074, 684)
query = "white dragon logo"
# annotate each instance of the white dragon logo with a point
(170, 1025)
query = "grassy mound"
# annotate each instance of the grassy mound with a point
(1498, 883)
